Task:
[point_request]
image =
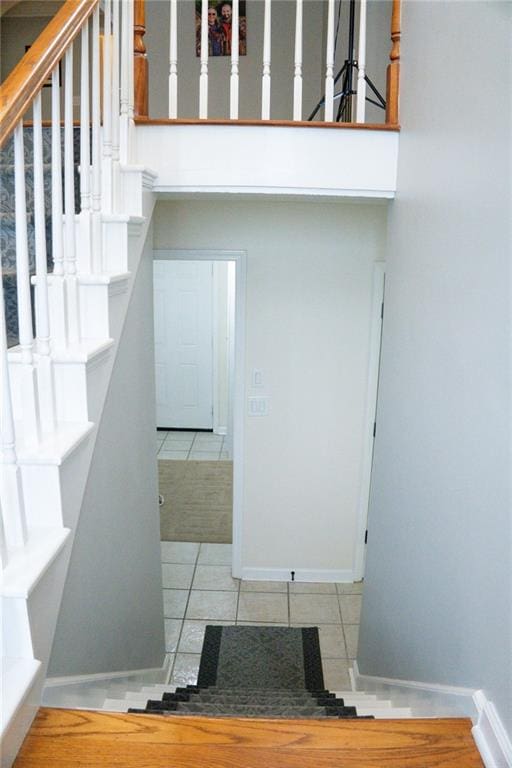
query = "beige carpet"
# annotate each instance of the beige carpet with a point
(198, 502)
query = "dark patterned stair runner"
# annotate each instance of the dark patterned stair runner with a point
(231, 655)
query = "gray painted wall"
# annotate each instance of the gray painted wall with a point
(437, 601)
(111, 617)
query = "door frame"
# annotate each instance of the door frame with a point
(240, 259)
(372, 387)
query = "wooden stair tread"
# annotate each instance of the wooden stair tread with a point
(63, 738)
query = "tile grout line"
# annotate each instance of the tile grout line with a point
(238, 601)
(185, 613)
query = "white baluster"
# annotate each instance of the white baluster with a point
(27, 371)
(297, 78)
(233, 89)
(69, 165)
(329, 65)
(57, 223)
(106, 176)
(96, 145)
(265, 81)
(44, 366)
(11, 492)
(58, 304)
(126, 44)
(203, 77)
(85, 133)
(84, 243)
(69, 201)
(115, 104)
(131, 68)
(4, 554)
(173, 61)
(361, 60)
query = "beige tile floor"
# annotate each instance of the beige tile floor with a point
(182, 446)
(198, 589)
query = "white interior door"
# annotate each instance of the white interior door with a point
(183, 344)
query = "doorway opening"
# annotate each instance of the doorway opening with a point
(199, 322)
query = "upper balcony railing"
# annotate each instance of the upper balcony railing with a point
(221, 65)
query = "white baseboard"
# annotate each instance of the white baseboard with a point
(490, 736)
(435, 700)
(424, 699)
(301, 574)
(53, 682)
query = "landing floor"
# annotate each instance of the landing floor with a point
(199, 590)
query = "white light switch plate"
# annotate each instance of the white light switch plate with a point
(258, 406)
(257, 378)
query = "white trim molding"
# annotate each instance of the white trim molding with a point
(301, 574)
(435, 700)
(490, 735)
(240, 259)
(424, 699)
(163, 671)
(282, 159)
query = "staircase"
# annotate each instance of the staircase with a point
(74, 216)
(164, 699)
(71, 243)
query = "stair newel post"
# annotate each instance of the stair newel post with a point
(393, 72)
(69, 201)
(266, 76)
(115, 106)
(235, 56)
(106, 175)
(203, 73)
(173, 60)
(140, 59)
(85, 153)
(11, 490)
(27, 372)
(44, 364)
(97, 245)
(297, 76)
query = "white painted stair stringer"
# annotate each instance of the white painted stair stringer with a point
(54, 473)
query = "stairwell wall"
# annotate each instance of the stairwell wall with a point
(437, 603)
(111, 616)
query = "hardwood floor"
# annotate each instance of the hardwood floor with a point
(61, 738)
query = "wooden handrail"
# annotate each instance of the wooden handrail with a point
(19, 89)
(140, 60)
(393, 72)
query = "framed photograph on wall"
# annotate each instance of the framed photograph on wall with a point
(220, 15)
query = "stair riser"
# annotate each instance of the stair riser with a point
(136, 196)
(115, 246)
(53, 493)
(79, 388)
(13, 736)
(16, 635)
(102, 309)
(29, 623)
